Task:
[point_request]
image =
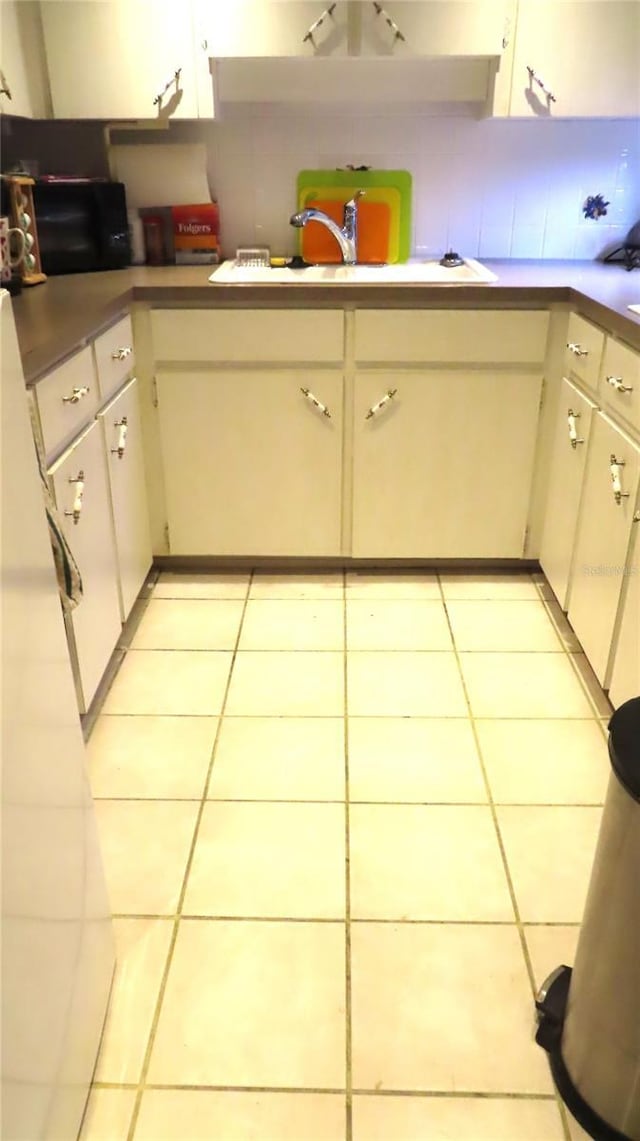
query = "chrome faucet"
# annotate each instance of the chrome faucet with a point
(347, 236)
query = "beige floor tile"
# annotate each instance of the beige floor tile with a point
(550, 947)
(550, 853)
(443, 1008)
(297, 585)
(254, 1004)
(204, 1115)
(396, 624)
(223, 585)
(142, 946)
(293, 624)
(421, 759)
(455, 1119)
(145, 845)
(384, 584)
(502, 625)
(275, 860)
(576, 1132)
(189, 624)
(295, 684)
(523, 685)
(487, 585)
(170, 681)
(279, 758)
(150, 757)
(108, 1115)
(426, 862)
(544, 762)
(404, 684)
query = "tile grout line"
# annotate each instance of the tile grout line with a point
(347, 912)
(176, 922)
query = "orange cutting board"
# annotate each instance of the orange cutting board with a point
(374, 222)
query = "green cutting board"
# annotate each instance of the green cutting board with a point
(316, 183)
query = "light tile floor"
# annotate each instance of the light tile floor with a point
(348, 823)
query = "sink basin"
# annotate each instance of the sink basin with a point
(407, 273)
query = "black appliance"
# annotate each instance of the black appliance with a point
(82, 225)
(630, 251)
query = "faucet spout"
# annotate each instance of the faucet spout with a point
(346, 236)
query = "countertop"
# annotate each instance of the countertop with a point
(54, 318)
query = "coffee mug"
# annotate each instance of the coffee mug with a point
(9, 261)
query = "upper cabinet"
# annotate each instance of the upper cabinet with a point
(122, 59)
(23, 81)
(574, 58)
(262, 28)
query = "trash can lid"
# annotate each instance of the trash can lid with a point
(624, 745)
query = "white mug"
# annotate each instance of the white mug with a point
(9, 261)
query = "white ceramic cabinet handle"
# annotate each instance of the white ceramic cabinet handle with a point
(577, 350)
(616, 479)
(375, 408)
(619, 385)
(122, 426)
(122, 354)
(316, 403)
(77, 499)
(533, 78)
(161, 94)
(76, 395)
(573, 428)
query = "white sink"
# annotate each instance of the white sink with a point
(408, 273)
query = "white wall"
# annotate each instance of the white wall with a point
(490, 188)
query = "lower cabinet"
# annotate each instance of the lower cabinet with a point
(252, 461)
(443, 463)
(603, 542)
(625, 665)
(120, 422)
(81, 489)
(568, 457)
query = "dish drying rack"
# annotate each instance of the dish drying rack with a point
(253, 258)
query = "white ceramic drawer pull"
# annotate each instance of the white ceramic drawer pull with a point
(573, 428)
(122, 354)
(77, 499)
(122, 427)
(76, 395)
(316, 403)
(375, 408)
(619, 385)
(577, 350)
(616, 479)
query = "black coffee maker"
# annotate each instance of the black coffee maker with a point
(629, 253)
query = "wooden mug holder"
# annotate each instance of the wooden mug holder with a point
(21, 204)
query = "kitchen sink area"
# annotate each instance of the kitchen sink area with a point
(412, 272)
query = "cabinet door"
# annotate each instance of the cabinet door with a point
(603, 539)
(125, 463)
(22, 61)
(271, 28)
(435, 28)
(585, 52)
(96, 620)
(251, 465)
(443, 468)
(568, 458)
(111, 59)
(625, 667)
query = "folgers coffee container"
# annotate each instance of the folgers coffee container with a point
(196, 234)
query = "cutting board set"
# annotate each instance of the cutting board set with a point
(384, 213)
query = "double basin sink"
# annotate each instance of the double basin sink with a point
(408, 273)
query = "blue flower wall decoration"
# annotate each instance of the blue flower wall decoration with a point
(595, 207)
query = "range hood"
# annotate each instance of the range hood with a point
(353, 80)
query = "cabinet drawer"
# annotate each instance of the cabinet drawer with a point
(67, 398)
(465, 336)
(584, 348)
(114, 356)
(262, 335)
(620, 389)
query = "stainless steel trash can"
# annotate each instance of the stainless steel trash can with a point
(589, 1017)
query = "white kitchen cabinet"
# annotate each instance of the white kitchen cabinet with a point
(253, 28)
(125, 462)
(625, 664)
(23, 76)
(121, 59)
(621, 383)
(252, 466)
(80, 485)
(604, 533)
(568, 458)
(443, 468)
(586, 53)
